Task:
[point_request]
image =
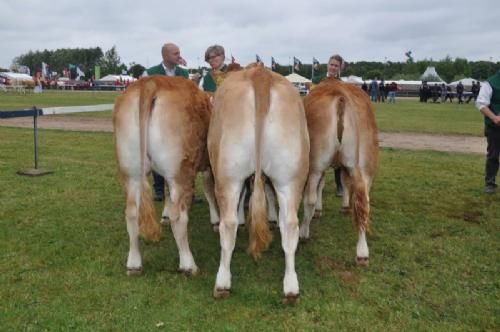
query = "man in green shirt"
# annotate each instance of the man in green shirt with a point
(171, 56)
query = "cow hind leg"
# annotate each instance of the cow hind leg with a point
(165, 216)
(319, 201)
(272, 215)
(360, 211)
(310, 198)
(208, 189)
(346, 184)
(288, 198)
(134, 260)
(181, 194)
(227, 197)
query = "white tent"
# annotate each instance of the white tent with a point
(16, 76)
(431, 73)
(352, 79)
(114, 78)
(467, 82)
(296, 78)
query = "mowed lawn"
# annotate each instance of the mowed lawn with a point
(406, 115)
(434, 252)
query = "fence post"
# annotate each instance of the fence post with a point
(34, 171)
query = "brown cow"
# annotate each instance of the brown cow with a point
(161, 123)
(258, 126)
(343, 132)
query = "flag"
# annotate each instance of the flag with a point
(233, 60)
(274, 64)
(408, 55)
(79, 73)
(258, 59)
(97, 72)
(315, 63)
(45, 69)
(296, 63)
(72, 71)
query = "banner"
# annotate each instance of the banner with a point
(97, 72)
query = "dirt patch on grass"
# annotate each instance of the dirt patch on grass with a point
(327, 265)
(412, 141)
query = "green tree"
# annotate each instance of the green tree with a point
(136, 70)
(110, 62)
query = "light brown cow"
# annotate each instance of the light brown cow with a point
(161, 123)
(258, 126)
(343, 132)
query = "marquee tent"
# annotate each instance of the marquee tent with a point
(296, 78)
(467, 82)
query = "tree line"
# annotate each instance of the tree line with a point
(450, 69)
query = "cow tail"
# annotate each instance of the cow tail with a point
(260, 234)
(340, 118)
(360, 203)
(148, 223)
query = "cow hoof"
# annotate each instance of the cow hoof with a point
(241, 226)
(291, 299)
(221, 293)
(345, 210)
(362, 261)
(188, 272)
(165, 220)
(134, 271)
(317, 214)
(273, 224)
(215, 227)
(303, 239)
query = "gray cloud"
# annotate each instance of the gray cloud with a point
(359, 30)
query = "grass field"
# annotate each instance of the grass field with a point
(407, 115)
(434, 253)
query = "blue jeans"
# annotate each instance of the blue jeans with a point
(392, 97)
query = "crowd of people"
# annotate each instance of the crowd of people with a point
(380, 92)
(443, 92)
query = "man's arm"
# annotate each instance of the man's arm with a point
(483, 103)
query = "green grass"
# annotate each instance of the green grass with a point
(53, 98)
(409, 115)
(434, 252)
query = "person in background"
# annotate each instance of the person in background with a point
(475, 91)
(374, 90)
(393, 87)
(334, 68)
(171, 58)
(460, 92)
(443, 92)
(214, 56)
(488, 103)
(381, 92)
(364, 87)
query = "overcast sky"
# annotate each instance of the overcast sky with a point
(371, 30)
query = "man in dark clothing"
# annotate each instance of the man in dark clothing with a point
(475, 91)
(488, 103)
(460, 92)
